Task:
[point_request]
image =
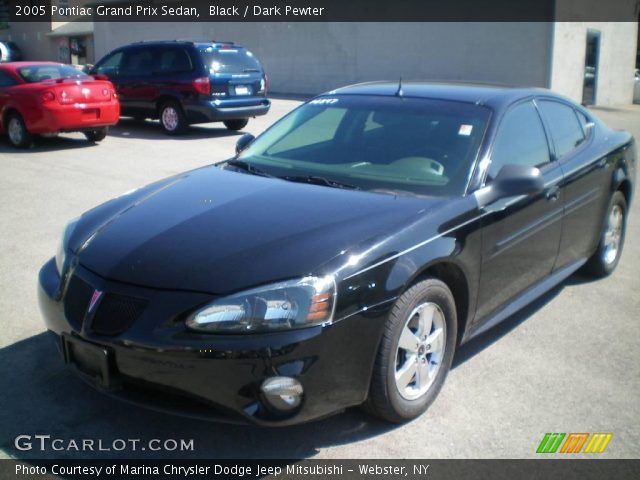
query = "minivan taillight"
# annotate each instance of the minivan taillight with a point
(202, 85)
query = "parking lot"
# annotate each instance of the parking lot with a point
(568, 363)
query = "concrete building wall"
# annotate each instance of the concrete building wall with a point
(32, 39)
(616, 63)
(314, 57)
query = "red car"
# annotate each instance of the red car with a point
(40, 98)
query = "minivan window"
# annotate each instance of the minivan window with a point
(111, 65)
(138, 62)
(175, 60)
(229, 60)
(520, 140)
(565, 128)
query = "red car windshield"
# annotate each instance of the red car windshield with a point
(47, 71)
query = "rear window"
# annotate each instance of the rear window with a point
(229, 60)
(39, 73)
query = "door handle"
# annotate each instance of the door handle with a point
(553, 193)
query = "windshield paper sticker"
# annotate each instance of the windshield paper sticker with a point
(465, 130)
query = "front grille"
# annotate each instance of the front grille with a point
(76, 300)
(116, 313)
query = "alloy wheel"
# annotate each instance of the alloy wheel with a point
(15, 131)
(420, 350)
(170, 118)
(613, 234)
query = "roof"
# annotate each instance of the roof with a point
(461, 92)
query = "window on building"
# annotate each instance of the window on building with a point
(565, 128)
(520, 140)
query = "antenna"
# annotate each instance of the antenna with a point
(399, 92)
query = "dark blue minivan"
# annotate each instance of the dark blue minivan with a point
(182, 82)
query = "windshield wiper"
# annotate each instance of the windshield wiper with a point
(247, 167)
(317, 180)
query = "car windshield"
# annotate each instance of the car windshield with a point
(229, 60)
(40, 73)
(398, 144)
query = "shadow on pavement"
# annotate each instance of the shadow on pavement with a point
(42, 144)
(151, 130)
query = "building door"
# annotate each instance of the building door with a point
(591, 61)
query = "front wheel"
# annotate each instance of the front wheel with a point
(17, 132)
(236, 125)
(415, 352)
(606, 257)
(96, 135)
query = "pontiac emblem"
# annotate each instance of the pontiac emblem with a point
(97, 294)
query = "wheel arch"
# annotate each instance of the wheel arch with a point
(5, 116)
(452, 275)
(162, 99)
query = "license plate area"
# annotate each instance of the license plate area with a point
(242, 90)
(93, 362)
(90, 113)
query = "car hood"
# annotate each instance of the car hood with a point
(217, 231)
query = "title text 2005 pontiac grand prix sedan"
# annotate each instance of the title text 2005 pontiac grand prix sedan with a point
(342, 256)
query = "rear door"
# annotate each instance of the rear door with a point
(585, 179)
(138, 86)
(520, 240)
(234, 73)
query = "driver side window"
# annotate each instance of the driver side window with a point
(520, 140)
(111, 66)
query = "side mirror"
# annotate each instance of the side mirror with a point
(243, 142)
(511, 181)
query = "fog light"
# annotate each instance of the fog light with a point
(282, 393)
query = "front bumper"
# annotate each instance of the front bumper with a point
(203, 111)
(70, 118)
(158, 363)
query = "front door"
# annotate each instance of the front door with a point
(520, 241)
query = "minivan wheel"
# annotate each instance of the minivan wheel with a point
(236, 125)
(172, 118)
(96, 135)
(606, 257)
(17, 132)
(415, 352)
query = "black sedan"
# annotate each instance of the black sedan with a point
(341, 257)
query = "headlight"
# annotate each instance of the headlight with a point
(292, 304)
(61, 252)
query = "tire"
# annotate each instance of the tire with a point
(406, 398)
(172, 118)
(607, 255)
(96, 135)
(17, 132)
(236, 125)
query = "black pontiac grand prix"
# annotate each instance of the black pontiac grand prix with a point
(340, 257)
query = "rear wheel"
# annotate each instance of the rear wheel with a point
(96, 135)
(236, 125)
(606, 257)
(415, 353)
(17, 132)
(172, 118)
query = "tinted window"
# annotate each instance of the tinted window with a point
(376, 143)
(6, 80)
(565, 129)
(175, 60)
(111, 65)
(138, 62)
(520, 140)
(40, 73)
(229, 60)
